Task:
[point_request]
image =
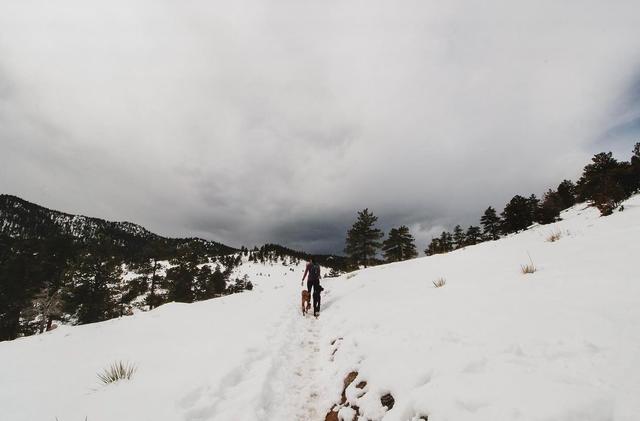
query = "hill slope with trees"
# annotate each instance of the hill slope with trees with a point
(58, 267)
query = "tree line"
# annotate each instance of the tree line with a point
(58, 279)
(605, 182)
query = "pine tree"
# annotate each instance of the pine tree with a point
(27, 267)
(150, 267)
(446, 242)
(93, 288)
(180, 280)
(516, 215)
(634, 168)
(473, 235)
(219, 281)
(458, 237)
(608, 196)
(598, 177)
(534, 204)
(203, 287)
(491, 224)
(567, 193)
(434, 247)
(363, 239)
(400, 245)
(550, 207)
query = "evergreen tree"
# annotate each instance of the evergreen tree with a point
(203, 288)
(549, 209)
(446, 242)
(93, 288)
(567, 194)
(180, 280)
(219, 281)
(434, 247)
(516, 215)
(534, 204)
(400, 245)
(491, 224)
(458, 237)
(598, 179)
(27, 268)
(443, 244)
(150, 267)
(473, 235)
(363, 239)
(608, 196)
(634, 169)
(154, 299)
(18, 282)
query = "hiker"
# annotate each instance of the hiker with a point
(313, 284)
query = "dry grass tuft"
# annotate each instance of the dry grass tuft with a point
(439, 283)
(529, 268)
(554, 236)
(117, 371)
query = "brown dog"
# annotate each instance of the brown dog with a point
(306, 301)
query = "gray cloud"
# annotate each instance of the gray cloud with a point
(252, 122)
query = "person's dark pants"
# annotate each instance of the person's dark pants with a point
(314, 289)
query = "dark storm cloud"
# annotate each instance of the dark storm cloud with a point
(250, 122)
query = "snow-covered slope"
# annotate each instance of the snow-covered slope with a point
(493, 344)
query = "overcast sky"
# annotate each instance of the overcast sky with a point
(255, 121)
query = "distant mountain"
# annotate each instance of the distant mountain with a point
(27, 221)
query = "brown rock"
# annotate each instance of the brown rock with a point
(347, 381)
(331, 416)
(387, 400)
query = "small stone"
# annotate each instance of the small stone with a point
(350, 378)
(387, 400)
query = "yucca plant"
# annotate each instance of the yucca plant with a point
(117, 371)
(439, 283)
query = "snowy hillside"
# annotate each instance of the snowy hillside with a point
(562, 343)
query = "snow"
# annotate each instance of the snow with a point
(562, 343)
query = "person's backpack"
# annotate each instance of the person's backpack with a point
(314, 272)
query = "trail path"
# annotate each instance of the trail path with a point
(277, 381)
(291, 390)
